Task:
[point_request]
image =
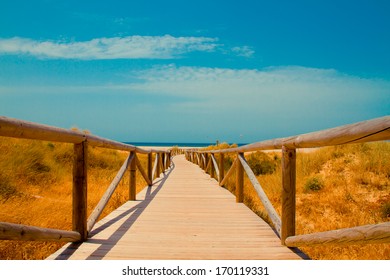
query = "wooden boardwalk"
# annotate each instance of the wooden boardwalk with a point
(184, 215)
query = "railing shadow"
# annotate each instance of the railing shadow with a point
(121, 231)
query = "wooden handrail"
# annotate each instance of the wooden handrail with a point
(361, 132)
(81, 225)
(9, 231)
(366, 131)
(28, 130)
(379, 233)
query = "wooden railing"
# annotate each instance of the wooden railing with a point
(367, 131)
(81, 224)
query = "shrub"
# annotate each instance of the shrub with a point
(314, 183)
(261, 163)
(386, 210)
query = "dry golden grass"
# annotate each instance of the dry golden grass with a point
(355, 191)
(36, 189)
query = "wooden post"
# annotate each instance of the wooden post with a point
(79, 212)
(163, 159)
(206, 156)
(158, 171)
(221, 167)
(150, 167)
(239, 181)
(133, 179)
(288, 193)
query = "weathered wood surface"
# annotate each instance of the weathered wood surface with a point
(366, 131)
(288, 193)
(79, 189)
(379, 233)
(107, 195)
(9, 231)
(143, 172)
(273, 215)
(229, 173)
(28, 130)
(184, 215)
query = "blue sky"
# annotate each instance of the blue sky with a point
(195, 71)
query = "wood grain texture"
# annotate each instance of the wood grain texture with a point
(133, 177)
(107, 195)
(368, 234)
(184, 215)
(288, 193)
(28, 130)
(272, 214)
(9, 231)
(79, 190)
(366, 131)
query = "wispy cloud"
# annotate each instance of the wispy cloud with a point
(131, 47)
(245, 51)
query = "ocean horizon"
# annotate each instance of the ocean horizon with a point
(171, 144)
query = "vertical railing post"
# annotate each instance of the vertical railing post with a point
(150, 167)
(288, 193)
(163, 161)
(158, 171)
(133, 178)
(206, 156)
(221, 168)
(239, 180)
(79, 211)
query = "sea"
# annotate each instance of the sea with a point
(172, 144)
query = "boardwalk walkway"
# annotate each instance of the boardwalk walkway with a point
(184, 215)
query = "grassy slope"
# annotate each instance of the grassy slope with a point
(36, 189)
(354, 190)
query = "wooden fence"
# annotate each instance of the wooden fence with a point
(367, 131)
(81, 224)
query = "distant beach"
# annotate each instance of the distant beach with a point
(159, 145)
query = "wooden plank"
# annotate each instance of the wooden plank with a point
(288, 193)
(239, 180)
(183, 216)
(79, 191)
(273, 215)
(9, 231)
(368, 234)
(107, 195)
(133, 178)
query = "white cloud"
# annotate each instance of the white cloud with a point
(132, 47)
(272, 92)
(244, 51)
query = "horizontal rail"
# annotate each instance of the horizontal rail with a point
(9, 231)
(379, 233)
(366, 131)
(28, 130)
